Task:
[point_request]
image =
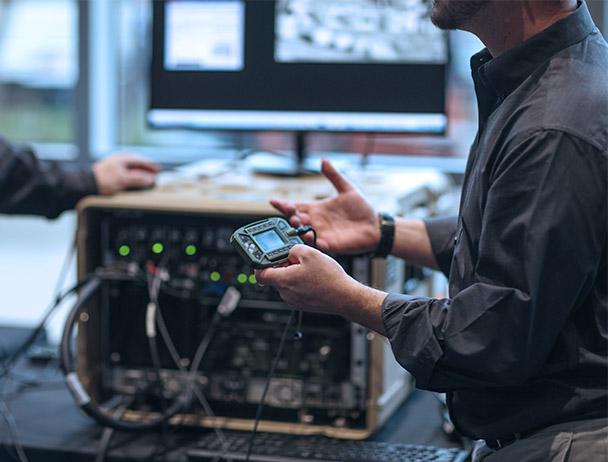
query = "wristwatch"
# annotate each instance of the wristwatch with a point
(387, 235)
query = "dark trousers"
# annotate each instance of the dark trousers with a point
(579, 441)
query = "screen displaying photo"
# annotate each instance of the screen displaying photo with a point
(205, 36)
(357, 31)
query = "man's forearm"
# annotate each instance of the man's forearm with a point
(365, 308)
(31, 186)
(412, 243)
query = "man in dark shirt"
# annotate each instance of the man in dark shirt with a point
(31, 186)
(521, 344)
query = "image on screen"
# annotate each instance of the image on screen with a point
(357, 31)
(269, 240)
(205, 36)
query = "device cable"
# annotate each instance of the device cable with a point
(300, 232)
(308, 229)
(203, 346)
(79, 393)
(164, 332)
(154, 279)
(89, 287)
(225, 308)
(275, 362)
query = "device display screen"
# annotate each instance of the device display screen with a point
(269, 240)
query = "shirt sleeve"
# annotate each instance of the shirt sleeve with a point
(543, 234)
(34, 187)
(442, 232)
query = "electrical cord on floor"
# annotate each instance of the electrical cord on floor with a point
(104, 443)
(9, 363)
(108, 432)
(58, 297)
(7, 416)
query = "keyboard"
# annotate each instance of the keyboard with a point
(269, 447)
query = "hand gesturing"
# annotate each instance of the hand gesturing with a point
(345, 223)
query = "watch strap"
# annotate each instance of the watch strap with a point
(387, 235)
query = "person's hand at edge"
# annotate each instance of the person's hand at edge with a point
(313, 281)
(122, 171)
(345, 223)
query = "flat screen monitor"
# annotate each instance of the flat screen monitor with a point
(298, 65)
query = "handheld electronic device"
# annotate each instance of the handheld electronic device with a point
(265, 242)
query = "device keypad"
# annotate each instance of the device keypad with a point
(278, 253)
(259, 228)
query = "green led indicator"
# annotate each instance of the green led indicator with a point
(124, 250)
(242, 278)
(191, 250)
(157, 248)
(215, 276)
(252, 279)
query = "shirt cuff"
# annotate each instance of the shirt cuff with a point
(408, 328)
(441, 232)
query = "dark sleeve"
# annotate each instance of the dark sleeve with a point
(441, 232)
(31, 186)
(543, 231)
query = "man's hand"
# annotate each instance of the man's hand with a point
(312, 281)
(123, 171)
(345, 223)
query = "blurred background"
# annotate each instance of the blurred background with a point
(74, 83)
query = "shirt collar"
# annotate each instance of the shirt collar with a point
(507, 71)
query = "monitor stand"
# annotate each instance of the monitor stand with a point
(288, 166)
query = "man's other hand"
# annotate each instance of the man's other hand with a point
(119, 172)
(345, 223)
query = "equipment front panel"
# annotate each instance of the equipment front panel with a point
(321, 379)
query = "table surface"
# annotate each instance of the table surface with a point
(51, 428)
